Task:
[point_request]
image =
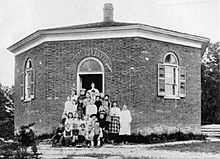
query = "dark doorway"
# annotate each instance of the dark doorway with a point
(91, 78)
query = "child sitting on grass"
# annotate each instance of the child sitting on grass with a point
(89, 136)
(56, 139)
(82, 135)
(67, 135)
(75, 133)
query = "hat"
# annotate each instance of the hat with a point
(93, 115)
(102, 112)
(82, 125)
(74, 124)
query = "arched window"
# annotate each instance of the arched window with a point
(90, 65)
(27, 85)
(170, 58)
(171, 77)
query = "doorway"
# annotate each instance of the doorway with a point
(90, 70)
(87, 79)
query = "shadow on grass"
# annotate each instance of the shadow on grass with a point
(206, 147)
(104, 156)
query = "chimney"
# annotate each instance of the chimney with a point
(108, 12)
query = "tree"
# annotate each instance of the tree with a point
(211, 84)
(6, 111)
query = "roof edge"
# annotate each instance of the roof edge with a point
(133, 26)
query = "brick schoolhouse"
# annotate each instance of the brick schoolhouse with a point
(155, 71)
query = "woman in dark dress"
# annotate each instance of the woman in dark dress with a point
(114, 126)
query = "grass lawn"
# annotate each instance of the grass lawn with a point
(103, 156)
(208, 147)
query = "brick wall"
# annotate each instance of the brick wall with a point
(137, 88)
(34, 111)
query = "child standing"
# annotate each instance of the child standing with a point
(106, 102)
(73, 95)
(104, 126)
(89, 136)
(86, 121)
(93, 95)
(91, 108)
(93, 119)
(106, 106)
(81, 109)
(70, 119)
(68, 106)
(64, 118)
(74, 106)
(98, 135)
(98, 102)
(77, 120)
(82, 94)
(86, 101)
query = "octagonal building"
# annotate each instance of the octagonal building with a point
(155, 71)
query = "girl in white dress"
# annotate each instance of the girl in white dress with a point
(73, 95)
(125, 121)
(68, 105)
(70, 120)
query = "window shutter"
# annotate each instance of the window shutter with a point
(182, 81)
(161, 79)
(32, 84)
(22, 85)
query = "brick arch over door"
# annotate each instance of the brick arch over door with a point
(91, 67)
(90, 52)
(93, 52)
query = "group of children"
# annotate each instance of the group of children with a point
(91, 120)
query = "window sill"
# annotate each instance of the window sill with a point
(27, 100)
(171, 97)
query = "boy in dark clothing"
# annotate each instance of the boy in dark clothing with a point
(82, 95)
(81, 109)
(98, 102)
(57, 135)
(80, 105)
(67, 135)
(64, 117)
(104, 126)
(75, 133)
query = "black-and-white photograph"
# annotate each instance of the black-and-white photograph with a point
(109, 79)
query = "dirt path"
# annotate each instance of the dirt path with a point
(120, 152)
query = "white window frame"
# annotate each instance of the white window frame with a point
(27, 83)
(176, 67)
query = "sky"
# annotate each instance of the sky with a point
(20, 18)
